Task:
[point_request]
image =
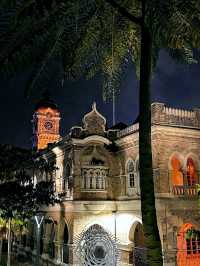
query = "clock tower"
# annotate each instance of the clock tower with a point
(46, 121)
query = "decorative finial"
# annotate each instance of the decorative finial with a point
(94, 106)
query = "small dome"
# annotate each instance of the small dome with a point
(94, 122)
(46, 102)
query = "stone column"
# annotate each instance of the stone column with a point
(157, 112)
(46, 240)
(58, 244)
(169, 258)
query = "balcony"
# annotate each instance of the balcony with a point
(187, 191)
(165, 188)
(94, 178)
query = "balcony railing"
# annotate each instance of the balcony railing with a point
(189, 191)
(186, 190)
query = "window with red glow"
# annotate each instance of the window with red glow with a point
(177, 175)
(191, 172)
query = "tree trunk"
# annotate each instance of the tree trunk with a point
(152, 237)
(1, 246)
(9, 242)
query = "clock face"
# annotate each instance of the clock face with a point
(48, 125)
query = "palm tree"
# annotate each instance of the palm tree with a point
(105, 37)
(3, 231)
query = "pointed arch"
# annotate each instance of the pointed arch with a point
(188, 243)
(66, 177)
(194, 157)
(175, 166)
(179, 157)
(130, 171)
(136, 235)
(191, 168)
(65, 250)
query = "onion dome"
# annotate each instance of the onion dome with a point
(94, 122)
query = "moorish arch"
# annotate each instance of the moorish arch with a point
(132, 176)
(65, 257)
(175, 166)
(188, 246)
(138, 253)
(63, 237)
(191, 167)
(66, 177)
(130, 170)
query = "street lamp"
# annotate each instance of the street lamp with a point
(38, 219)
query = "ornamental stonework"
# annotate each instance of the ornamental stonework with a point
(94, 123)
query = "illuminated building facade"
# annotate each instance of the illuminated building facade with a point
(46, 122)
(98, 181)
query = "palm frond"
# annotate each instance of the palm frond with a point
(183, 56)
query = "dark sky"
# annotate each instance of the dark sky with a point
(174, 84)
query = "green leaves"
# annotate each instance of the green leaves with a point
(192, 233)
(20, 197)
(198, 193)
(85, 40)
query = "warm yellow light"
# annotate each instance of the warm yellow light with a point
(118, 224)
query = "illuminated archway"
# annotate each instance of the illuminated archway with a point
(188, 245)
(177, 175)
(138, 255)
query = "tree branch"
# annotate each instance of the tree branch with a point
(124, 12)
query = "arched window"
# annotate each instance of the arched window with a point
(177, 175)
(94, 178)
(130, 172)
(65, 183)
(191, 172)
(188, 244)
(137, 256)
(66, 245)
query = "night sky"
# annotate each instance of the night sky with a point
(174, 84)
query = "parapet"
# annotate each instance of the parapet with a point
(164, 115)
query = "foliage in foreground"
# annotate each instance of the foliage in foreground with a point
(20, 198)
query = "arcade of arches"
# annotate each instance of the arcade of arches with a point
(188, 245)
(180, 177)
